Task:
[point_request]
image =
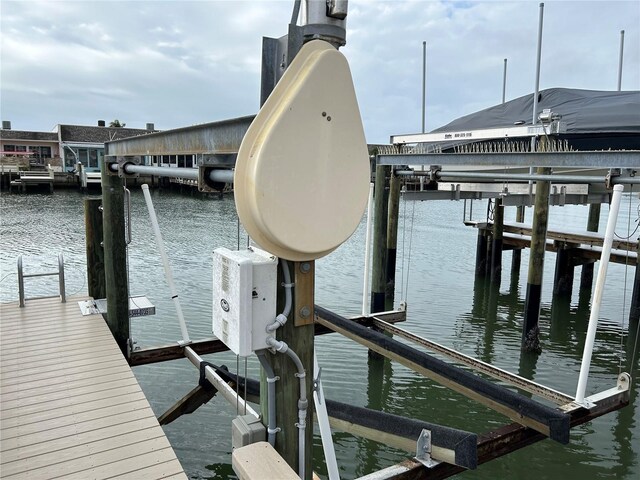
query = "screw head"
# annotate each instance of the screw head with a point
(305, 267)
(305, 312)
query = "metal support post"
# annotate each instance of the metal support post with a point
(597, 297)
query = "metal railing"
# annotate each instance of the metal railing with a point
(59, 273)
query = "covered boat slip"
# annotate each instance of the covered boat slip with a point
(70, 404)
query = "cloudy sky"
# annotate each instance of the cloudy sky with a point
(178, 63)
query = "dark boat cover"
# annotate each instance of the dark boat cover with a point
(583, 112)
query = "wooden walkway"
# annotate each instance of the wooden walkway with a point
(70, 406)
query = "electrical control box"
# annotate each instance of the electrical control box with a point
(244, 298)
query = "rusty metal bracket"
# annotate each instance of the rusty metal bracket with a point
(304, 279)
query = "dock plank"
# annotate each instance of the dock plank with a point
(70, 405)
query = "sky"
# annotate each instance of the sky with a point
(178, 63)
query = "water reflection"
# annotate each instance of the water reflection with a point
(446, 304)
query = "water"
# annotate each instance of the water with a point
(444, 305)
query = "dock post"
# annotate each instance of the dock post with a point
(379, 264)
(299, 336)
(496, 243)
(482, 252)
(593, 221)
(95, 252)
(516, 259)
(564, 272)
(392, 240)
(634, 312)
(115, 258)
(530, 331)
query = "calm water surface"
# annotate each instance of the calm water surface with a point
(444, 305)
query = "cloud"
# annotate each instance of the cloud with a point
(179, 63)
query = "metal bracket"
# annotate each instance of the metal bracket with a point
(316, 380)
(608, 179)
(423, 450)
(122, 161)
(434, 172)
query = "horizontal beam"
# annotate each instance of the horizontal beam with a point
(510, 200)
(584, 238)
(547, 420)
(449, 445)
(175, 351)
(223, 137)
(505, 133)
(497, 443)
(478, 365)
(599, 159)
(219, 384)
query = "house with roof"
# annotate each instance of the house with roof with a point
(20, 146)
(65, 147)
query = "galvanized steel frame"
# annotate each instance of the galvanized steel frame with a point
(599, 159)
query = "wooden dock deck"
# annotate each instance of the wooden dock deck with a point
(70, 405)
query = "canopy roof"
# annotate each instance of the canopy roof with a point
(583, 112)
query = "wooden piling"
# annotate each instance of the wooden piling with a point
(115, 259)
(593, 221)
(496, 243)
(634, 311)
(392, 240)
(301, 340)
(516, 258)
(379, 263)
(95, 252)
(564, 272)
(530, 331)
(482, 250)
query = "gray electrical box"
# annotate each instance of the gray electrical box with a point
(246, 430)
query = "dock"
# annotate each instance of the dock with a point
(70, 405)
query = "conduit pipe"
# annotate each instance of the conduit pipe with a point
(303, 403)
(215, 175)
(614, 207)
(165, 263)
(281, 319)
(272, 429)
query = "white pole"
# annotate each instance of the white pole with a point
(165, 262)
(323, 423)
(504, 81)
(536, 92)
(366, 290)
(597, 297)
(620, 60)
(424, 84)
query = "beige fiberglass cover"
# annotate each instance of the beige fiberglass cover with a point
(302, 174)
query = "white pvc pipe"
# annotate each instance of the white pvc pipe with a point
(323, 423)
(614, 207)
(165, 263)
(367, 255)
(218, 382)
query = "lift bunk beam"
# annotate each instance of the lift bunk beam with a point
(546, 420)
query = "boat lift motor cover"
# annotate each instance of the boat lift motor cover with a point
(302, 173)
